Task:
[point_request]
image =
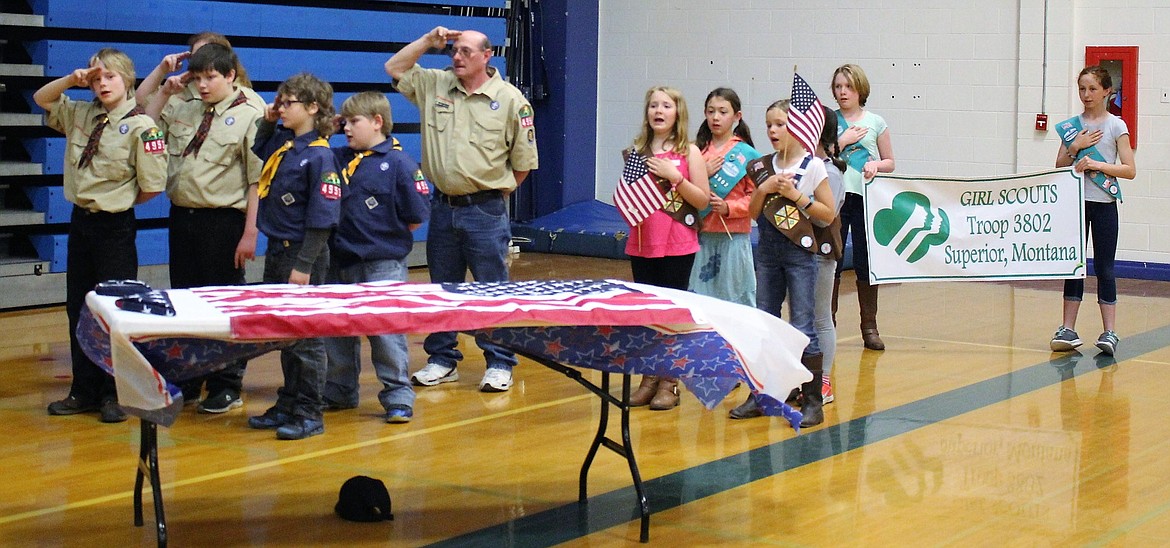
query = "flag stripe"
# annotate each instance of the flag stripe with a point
(806, 116)
(266, 312)
(637, 195)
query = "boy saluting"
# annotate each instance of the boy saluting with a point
(211, 183)
(115, 158)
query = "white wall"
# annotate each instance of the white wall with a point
(959, 81)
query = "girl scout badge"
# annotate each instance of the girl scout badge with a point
(782, 213)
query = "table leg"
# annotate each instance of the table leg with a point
(624, 448)
(148, 466)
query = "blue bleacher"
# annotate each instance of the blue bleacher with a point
(152, 248)
(274, 64)
(59, 58)
(50, 200)
(260, 20)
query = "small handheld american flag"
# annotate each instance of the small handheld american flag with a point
(637, 195)
(806, 116)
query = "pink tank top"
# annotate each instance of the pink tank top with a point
(660, 235)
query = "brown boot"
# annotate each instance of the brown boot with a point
(747, 410)
(645, 391)
(811, 391)
(867, 298)
(667, 396)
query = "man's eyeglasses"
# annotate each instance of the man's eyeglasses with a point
(285, 103)
(464, 51)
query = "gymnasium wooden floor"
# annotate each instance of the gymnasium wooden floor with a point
(966, 431)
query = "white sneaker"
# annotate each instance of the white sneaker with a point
(434, 374)
(496, 380)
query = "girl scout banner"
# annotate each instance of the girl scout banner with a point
(1015, 227)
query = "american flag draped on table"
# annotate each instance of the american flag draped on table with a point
(637, 195)
(806, 116)
(609, 325)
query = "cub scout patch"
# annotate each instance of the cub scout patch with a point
(526, 116)
(153, 141)
(420, 183)
(331, 185)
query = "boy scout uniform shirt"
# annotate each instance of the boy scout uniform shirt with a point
(471, 142)
(305, 192)
(386, 193)
(131, 155)
(220, 173)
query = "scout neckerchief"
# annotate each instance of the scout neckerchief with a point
(273, 162)
(734, 167)
(357, 159)
(782, 213)
(854, 155)
(353, 164)
(205, 125)
(1068, 131)
(95, 137)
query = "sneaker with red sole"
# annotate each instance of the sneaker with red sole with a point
(826, 391)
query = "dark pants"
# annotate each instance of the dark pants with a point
(1101, 221)
(673, 272)
(203, 252)
(853, 221)
(101, 247)
(303, 363)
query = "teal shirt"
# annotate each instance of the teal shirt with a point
(876, 126)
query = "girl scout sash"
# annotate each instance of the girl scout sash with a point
(678, 208)
(782, 213)
(734, 168)
(854, 155)
(1068, 131)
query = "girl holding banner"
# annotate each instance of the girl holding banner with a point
(865, 146)
(662, 246)
(1093, 143)
(723, 266)
(792, 196)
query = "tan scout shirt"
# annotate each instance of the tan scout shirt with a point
(471, 142)
(219, 175)
(131, 155)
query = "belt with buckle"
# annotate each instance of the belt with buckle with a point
(470, 199)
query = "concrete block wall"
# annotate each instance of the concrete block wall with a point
(959, 82)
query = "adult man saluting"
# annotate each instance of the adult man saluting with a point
(478, 145)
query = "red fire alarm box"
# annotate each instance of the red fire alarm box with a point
(1041, 122)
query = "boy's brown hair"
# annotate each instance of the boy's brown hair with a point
(369, 104)
(116, 61)
(309, 89)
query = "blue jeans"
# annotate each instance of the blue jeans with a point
(784, 270)
(388, 352)
(474, 237)
(1100, 221)
(303, 363)
(823, 310)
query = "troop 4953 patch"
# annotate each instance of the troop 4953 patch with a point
(153, 141)
(526, 116)
(331, 185)
(420, 183)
